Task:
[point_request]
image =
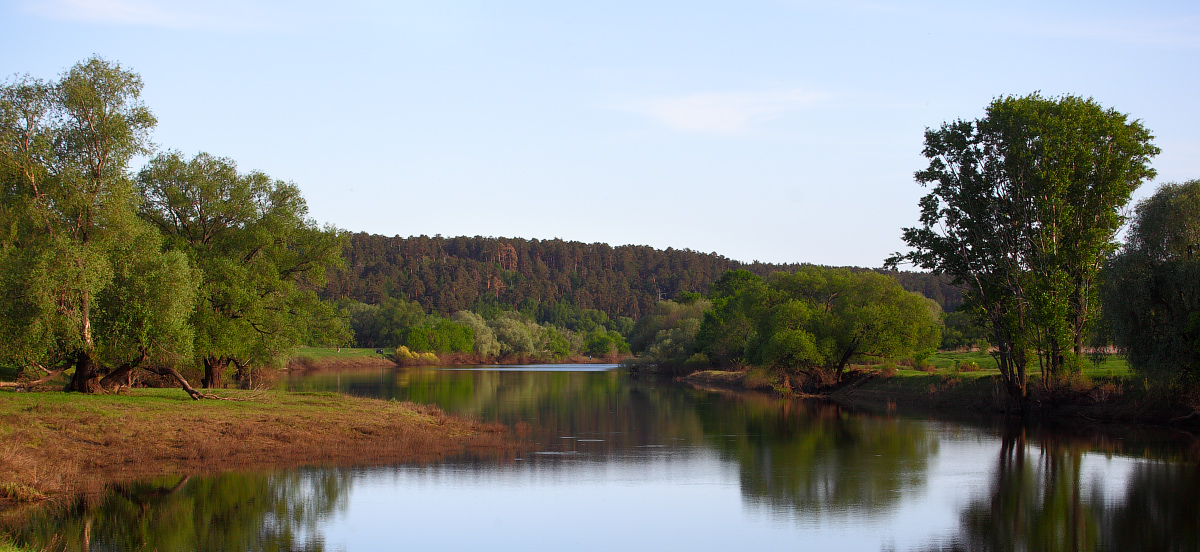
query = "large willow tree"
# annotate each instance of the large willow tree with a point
(1152, 289)
(259, 254)
(84, 282)
(1023, 211)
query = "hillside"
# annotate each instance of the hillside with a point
(449, 274)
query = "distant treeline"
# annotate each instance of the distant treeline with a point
(446, 275)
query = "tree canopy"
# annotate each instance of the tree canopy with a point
(255, 246)
(815, 321)
(1023, 212)
(1152, 289)
(193, 262)
(86, 283)
(554, 281)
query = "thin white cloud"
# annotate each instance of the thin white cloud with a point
(150, 13)
(723, 112)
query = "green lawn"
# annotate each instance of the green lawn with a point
(944, 363)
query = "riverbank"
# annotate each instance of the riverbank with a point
(57, 445)
(1096, 397)
(315, 358)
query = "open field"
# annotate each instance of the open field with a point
(945, 361)
(57, 444)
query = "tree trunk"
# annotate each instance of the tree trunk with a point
(841, 367)
(50, 374)
(168, 371)
(87, 375)
(114, 379)
(214, 368)
(244, 373)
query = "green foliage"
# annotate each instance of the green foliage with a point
(540, 278)
(963, 331)
(1152, 289)
(666, 336)
(815, 321)
(566, 315)
(1024, 207)
(726, 330)
(485, 344)
(604, 343)
(441, 335)
(257, 250)
(85, 282)
(513, 333)
(557, 343)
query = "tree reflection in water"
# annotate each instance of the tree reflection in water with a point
(232, 511)
(810, 458)
(801, 460)
(1045, 503)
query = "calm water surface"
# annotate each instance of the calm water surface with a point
(628, 464)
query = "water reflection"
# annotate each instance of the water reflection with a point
(1042, 498)
(232, 511)
(673, 467)
(810, 458)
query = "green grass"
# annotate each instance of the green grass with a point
(8, 546)
(943, 363)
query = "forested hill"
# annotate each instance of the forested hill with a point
(451, 274)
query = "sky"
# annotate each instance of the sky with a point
(770, 130)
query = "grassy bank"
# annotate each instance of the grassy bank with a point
(317, 358)
(55, 444)
(969, 382)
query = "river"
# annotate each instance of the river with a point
(622, 463)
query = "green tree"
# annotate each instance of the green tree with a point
(1152, 289)
(485, 344)
(728, 327)
(666, 337)
(1023, 211)
(513, 334)
(85, 283)
(259, 253)
(440, 335)
(817, 320)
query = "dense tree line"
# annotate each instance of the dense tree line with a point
(486, 336)
(446, 275)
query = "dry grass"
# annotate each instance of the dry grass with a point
(336, 363)
(59, 444)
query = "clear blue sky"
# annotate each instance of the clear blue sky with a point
(783, 131)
